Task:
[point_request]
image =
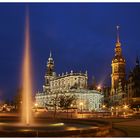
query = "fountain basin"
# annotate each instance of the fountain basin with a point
(55, 128)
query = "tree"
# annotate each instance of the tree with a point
(65, 101)
(62, 101)
(18, 99)
(54, 103)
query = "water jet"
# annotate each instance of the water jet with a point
(26, 77)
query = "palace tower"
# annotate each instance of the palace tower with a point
(118, 67)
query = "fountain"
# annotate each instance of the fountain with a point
(26, 78)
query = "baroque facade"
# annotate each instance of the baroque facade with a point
(69, 84)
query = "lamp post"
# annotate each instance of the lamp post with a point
(36, 105)
(71, 109)
(103, 107)
(81, 105)
(99, 88)
(116, 109)
(112, 108)
(125, 109)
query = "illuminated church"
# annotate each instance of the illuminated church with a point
(69, 84)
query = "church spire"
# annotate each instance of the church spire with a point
(118, 44)
(50, 54)
(118, 37)
(118, 50)
(50, 65)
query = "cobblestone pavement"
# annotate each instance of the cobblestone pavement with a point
(130, 123)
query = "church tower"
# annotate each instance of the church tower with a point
(118, 66)
(50, 72)
(50, 66)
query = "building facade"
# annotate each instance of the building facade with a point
(68, 84)
(133, 87)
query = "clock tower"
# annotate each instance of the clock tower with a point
(118, 66)
(50, 74)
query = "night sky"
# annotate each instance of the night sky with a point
(81, 37)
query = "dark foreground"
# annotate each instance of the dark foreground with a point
(10, 126)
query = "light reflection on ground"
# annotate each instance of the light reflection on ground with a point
(52, 126)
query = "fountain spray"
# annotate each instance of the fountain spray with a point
(26, 77)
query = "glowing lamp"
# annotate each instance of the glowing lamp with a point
(99, 87)
(81, 103)
(36, 104)
(104, 106)
(125, 106)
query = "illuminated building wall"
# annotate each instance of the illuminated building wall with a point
(69, 84)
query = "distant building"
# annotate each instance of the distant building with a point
(106, 92)
(69, 84)
(118, 76)
(120, 98)
(133, 87)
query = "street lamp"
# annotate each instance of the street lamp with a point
(99, 87)
(71, 109)
(112, 108)
(125, 108)
(81, 104)
(116, 109)
(104, 106)
(36, 105)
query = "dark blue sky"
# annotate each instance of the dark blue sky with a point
(81, 37)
